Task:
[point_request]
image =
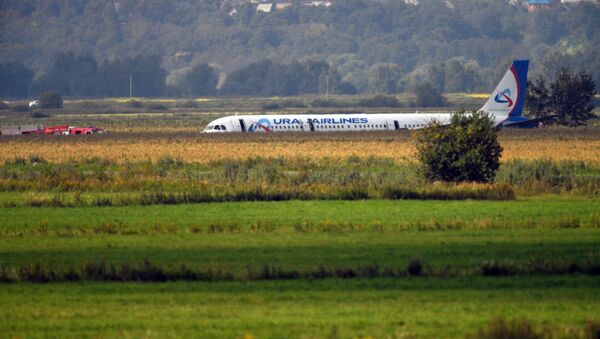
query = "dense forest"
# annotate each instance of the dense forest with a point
(207, 47)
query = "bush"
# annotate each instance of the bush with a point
(496, 269)
(466, 150)
(51, 99)
(39, 115)
(429, 96)
(415, 267)
(380, 101)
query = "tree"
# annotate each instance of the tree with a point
(51, 99)
(570, 97)
(537, 98)
(428, 96)
(466, 150)
(15, 79)
(200, 81)
(383, 78)
(71, 75)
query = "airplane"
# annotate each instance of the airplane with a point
(504, 105)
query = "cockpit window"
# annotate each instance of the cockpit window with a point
(217, 127)
(223, 128)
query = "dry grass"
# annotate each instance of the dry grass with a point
(559, 144)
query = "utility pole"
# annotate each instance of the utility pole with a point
(327, 88)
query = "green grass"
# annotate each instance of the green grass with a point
(331, 308)
(258, 233)
(282, 216)
(386, 233)
(236, 253)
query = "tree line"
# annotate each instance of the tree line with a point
(84, 76)
(382, 46)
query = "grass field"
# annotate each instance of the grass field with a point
(582, 144)
(399, 307)
(76, 263)
(420, 307)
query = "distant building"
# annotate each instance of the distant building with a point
(282, 6)
(265, 8)
(534, 5)
(318, 3)
(577, 1)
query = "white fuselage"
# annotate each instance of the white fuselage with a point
(504, 102)
(327, 122)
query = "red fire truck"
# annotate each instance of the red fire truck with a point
(69, 130)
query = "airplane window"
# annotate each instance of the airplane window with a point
(223, 128)
(217, 127)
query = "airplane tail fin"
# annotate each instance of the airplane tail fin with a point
(508, 97)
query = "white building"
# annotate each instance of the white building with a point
(265, 8)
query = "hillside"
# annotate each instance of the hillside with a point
(359, 38)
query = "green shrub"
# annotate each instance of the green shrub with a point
(428, 96)
(496, 269)
(415, 266)
(39, 115)
(466, 150)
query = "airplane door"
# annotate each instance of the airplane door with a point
(308, 125)
(242, 125)
(396, 125)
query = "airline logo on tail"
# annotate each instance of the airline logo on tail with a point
(504, 97)
(508, 97)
